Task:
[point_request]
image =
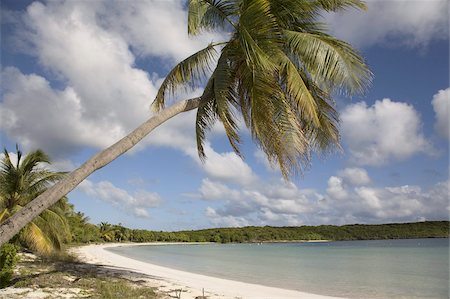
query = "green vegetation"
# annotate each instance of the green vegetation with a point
(20, 182)
(8, 259)
(118, 233)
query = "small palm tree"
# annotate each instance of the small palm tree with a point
(20, 183)
(278, 70)
(107, 232)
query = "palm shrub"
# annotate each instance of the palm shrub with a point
(20, 183)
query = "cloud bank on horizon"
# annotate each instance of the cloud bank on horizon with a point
(80, 75)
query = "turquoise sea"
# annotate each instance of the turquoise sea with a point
(416, 268)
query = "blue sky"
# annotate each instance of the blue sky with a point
(78, 75)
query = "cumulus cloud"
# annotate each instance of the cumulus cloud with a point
(137, 203)
(277, 203)
(60, 127)
(441, 106)
(90, 49)
(401, 22)
(355, 176)
(227, 221)
(346, 200)
(336, 188)
(154, 28)
(261, 157)
(383, 132)
(210, 190)
(97, 69)
(227, 167)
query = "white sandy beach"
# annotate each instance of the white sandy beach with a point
(169, 280)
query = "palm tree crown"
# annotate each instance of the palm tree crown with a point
(20, 182)
(278, 71)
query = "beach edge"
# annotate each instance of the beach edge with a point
(168, 279)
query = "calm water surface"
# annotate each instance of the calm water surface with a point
(417, 268)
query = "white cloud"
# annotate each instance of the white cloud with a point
(53, 120)
(336, 188)
(345, 201)
(261, 157)
(227, 167)
(401, 22)
(137, 203)
(355, 176)
(87, 47)
(386, 131)
(154, 28)
(441, 106)
(225, 221)
(98, 71)
(210, 190)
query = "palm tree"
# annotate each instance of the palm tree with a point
(278, 71)
(107, 232)
(20, 183)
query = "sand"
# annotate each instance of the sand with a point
(170, 281)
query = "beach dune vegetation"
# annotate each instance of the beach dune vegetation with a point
(277, 71)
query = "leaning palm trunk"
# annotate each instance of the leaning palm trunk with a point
(14, 224)
(277, 71)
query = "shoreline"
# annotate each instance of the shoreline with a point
(168, 279)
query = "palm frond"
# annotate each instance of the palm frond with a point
(225, 96)
(36, 239)
(335, 5)
(297, 91)
(258, 34)
(333, 64)
(188, 72)
(289, 13)
(32, 160)
(56, 228)
(323, 137)
(206, 117)
(4, 214)
(276, 128)
(209, 14)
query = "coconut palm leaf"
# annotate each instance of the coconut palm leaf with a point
(336, 5)
(208, 15)
(278, 70)
(206, 116)
(187, 73)
(36, 239)
(333, 64)
(4, 214)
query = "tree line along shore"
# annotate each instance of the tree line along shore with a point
(84, 232)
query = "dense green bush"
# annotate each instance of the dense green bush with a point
(428, 229)
(8, 259)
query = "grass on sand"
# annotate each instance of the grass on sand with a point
(63, 276)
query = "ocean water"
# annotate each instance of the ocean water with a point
(416, 268)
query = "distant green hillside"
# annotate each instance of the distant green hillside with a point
(429, 229)
(83, 232)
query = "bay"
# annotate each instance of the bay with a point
(414, 268)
